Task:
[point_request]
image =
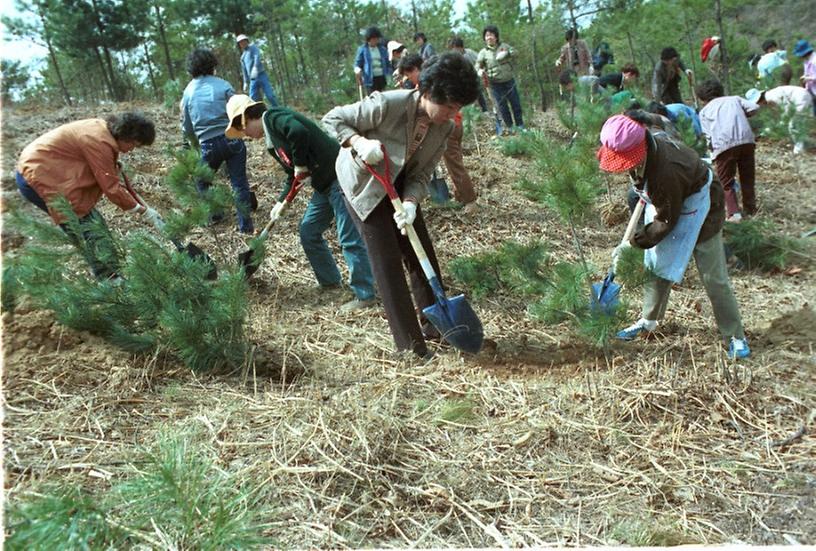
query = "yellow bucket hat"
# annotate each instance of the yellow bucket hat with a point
(237, 106)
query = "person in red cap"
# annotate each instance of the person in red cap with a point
(684, 217)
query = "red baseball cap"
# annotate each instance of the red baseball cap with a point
(623, 144)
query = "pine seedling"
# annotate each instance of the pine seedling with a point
(567, 296)
(197, 208)
(179, 491)
(471, 115)
(630, 271)
(60, 519)
(759, 245)
(599, 326)
(685, 127)
(514, 267)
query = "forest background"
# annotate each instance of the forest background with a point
(112, 50)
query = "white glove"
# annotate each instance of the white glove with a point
(369, 150)
(689, 72)
(277, 210)
(501, 55)
(253, 74)
(154, 218)
(616, 254)
(357, 70)
(405, 218)
(558, 62)
(480, 72)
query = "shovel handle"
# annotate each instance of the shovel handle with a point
(297, 185)
(396, 202)
(633, 220)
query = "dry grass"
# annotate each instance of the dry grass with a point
(538, 440)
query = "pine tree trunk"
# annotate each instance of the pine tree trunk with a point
(108, 83)
(53, 55)
(723, 56)
(156, 90)
(282, 47)
(306, 79)
(108, 62)
(541, 92)
(414, 16)
(160, 23)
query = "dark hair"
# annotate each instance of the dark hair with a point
(250, 113)
(456, 42)
(372, 32)
(132, 126)
(565, 77)
(754, 59)
(417, 36)
(570, 34)
(409, 62)
(630, 68)
(201, 62)
(668, 53)
(491, 29)
(449, 78)
(659, 108)
(710, 89)
(768, 44)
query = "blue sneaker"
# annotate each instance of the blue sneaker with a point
(738, 349)
(640, 326)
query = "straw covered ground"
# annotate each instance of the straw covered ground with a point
(540, 439)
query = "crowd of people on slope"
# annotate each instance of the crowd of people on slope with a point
(404, 132)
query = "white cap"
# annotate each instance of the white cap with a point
(753, 95)
(241, 37)
(392, 46)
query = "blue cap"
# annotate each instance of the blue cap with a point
(802, 48)
(753, 95)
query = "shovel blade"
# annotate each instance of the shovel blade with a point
(458, 324)
(194, 252)
(605, 295)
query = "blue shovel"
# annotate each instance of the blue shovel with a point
(605, 295)
(454, 318)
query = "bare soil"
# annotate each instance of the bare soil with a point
(659, 442)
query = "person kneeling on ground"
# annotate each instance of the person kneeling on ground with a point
(410, 67)
(684, 218)
(413, 126)
(307, 153)
(79, 161)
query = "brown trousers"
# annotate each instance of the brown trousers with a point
(388, 249)
(462, 184)
(726, 164)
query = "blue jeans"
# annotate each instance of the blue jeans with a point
(214, 152)
(261, 84)
(95, 241)
(317, 218)
(504, 93)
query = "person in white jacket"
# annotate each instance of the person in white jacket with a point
(794, 101)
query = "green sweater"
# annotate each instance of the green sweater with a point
(295, 140)
(497, 71)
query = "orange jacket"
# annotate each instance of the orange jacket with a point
(77, 160)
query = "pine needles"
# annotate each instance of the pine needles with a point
(177, 499)
(514, 267)
(759, 245)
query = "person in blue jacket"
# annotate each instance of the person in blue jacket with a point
(204, 115)
(371, 64)
(256, 81)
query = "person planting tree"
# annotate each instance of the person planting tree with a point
(666, 77)
(683, 218)
(793, 101)
(204, 114)
(308, 154)
(79, 161)
(495, 65)
(371, 62)
(412, 126)
(410, 68)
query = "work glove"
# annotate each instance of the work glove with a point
(480, 72)
(154, 218)
(407, 217)
(303, 174)
(277, 210)
(558, 62)
(616, 254)
(369, 150)
(501, 55)
(253, 74)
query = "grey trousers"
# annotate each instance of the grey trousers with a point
(710, 259)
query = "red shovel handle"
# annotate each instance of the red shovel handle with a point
(384, 180)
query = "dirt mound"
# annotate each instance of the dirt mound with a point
(36, 331)
(797, 328)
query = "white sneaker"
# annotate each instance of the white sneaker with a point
(640, 326)
(735, 218)
(798, 148)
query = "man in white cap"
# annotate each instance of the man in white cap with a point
(396, 50)
(256, 81)
(794, 102)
